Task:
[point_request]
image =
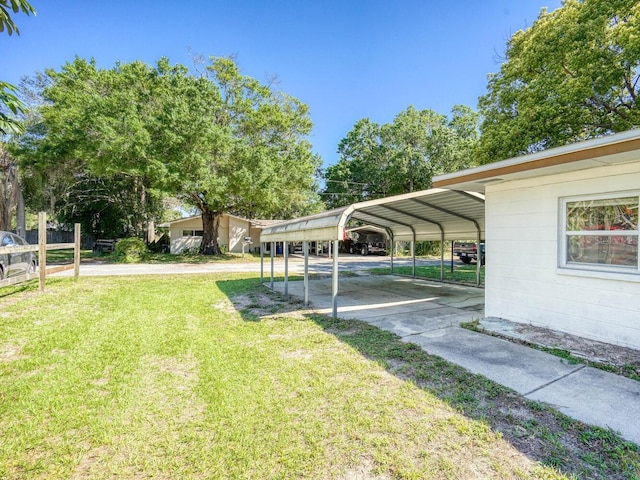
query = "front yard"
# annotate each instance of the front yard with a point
(211, 376)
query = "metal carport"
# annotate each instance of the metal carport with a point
(435, 214)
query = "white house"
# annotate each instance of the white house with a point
(186, 233)
(562, 237)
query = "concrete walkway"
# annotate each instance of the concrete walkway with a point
(429, 314)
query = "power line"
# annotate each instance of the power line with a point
(346, 181)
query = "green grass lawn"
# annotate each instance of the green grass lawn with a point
(64, 256)
(461, 273)
(213, 376)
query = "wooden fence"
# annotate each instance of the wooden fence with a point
(42, 247)
(60, 236)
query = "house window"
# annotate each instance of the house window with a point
(601, 233)
(192, 233)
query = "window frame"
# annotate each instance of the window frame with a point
(193, 233)
(564, 234)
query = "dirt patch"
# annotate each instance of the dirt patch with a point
(364, 471)
(225, 306)
(11, 353)
(266, 304)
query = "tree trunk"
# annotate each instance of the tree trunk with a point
(21, 222)
(210, 225)
(150, 231)
(8, 189)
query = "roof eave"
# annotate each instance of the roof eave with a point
(556, 157)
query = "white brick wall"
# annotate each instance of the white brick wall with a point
(523, 281)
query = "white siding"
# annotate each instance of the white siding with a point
(231, 233)
(180, 243)
(523, 281)
(238, 229)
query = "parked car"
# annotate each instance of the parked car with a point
(467, 251)
(367, 244)
(12, 264)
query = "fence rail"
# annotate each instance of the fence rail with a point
(42, 247)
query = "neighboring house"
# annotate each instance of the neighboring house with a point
(562, 237)
(186, 233)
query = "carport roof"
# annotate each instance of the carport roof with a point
(425, 215)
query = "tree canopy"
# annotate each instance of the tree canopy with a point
(573, 75)
(16, 6)
(8, 99)
(401, 156)
(219, 140)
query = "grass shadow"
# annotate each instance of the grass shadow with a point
(26, 286)
(534, 428)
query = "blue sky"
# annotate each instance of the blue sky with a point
(346, 59)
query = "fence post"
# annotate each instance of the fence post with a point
(42, 248)
(76, 251)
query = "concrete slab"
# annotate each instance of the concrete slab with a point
(598, 398)
(515, 366)
(405, 327)
(429, 314)
(424, 313)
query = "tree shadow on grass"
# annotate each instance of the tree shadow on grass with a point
(534, 428)
(26, 286)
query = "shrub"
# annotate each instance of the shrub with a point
(130, 250)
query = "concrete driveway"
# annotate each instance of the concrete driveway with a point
(429, 314)
(317, 265)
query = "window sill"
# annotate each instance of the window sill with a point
(584, 272)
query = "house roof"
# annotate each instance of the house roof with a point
(424, 215)
(613, 149)
(254, 223)
(263, 223)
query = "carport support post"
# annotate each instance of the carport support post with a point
(285, 253)
(442, 256)
(76, 251)
(305, 249)
(413, 254)
(42, 248)
(273, 249)
(478, 260)
(452, 242)
(334, 282)
(393, 244)
(261, 262)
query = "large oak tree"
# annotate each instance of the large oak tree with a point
(219, 140)
(574, 74)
